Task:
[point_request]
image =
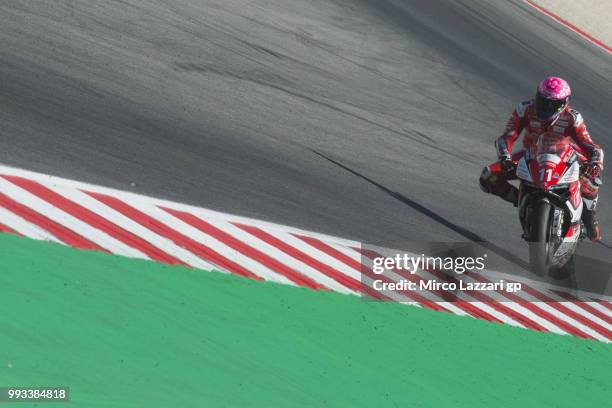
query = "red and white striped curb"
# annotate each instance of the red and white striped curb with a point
(96, 218)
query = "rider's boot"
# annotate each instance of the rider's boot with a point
(511, 195)
(589, 217)
(496, 183)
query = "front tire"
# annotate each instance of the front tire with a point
(539, 245)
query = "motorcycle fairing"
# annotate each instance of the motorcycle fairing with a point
(554, 177)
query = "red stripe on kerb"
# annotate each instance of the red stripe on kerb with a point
(499, 306)
(334, 253)
(8, 230)
(409, 294)
(568, 312)
(181, 240)
(94, 220)
(64, 234)
(338, 276)
(363, 269)
(536, 310)
(323, 247)
(569, 25)
(446, 296)
(585, 306)
(432, 305)
(607, 305)
(245, 249)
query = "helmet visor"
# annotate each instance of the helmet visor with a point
(547, 108)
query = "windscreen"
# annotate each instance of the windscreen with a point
(552, 143)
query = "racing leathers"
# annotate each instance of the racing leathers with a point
(494, 178)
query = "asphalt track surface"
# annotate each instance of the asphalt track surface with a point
(366, 119)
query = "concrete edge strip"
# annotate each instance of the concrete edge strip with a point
(571, 26)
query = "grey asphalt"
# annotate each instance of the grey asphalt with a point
(366, 119)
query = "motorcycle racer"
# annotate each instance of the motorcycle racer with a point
(550, 111)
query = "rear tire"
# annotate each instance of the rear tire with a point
(539, 257)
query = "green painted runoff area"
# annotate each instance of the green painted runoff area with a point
(132, 333)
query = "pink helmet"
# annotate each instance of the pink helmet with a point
(552, 97)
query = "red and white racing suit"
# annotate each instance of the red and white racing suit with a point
(524, 120)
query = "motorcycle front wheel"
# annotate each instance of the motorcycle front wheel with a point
(540, 245)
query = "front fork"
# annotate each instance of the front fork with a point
(525, 212)
(565, 220)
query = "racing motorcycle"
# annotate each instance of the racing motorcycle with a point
(550, 203)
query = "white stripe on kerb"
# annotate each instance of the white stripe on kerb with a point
(130, 197)
(561, 316)
(280, 256)
(524, 312)
(83, 229)
(574, 308)
(25, 227)
(128, 224)
(600, 308)
(195, 234)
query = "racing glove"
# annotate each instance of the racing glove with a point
(592, 170)
(507, 164)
